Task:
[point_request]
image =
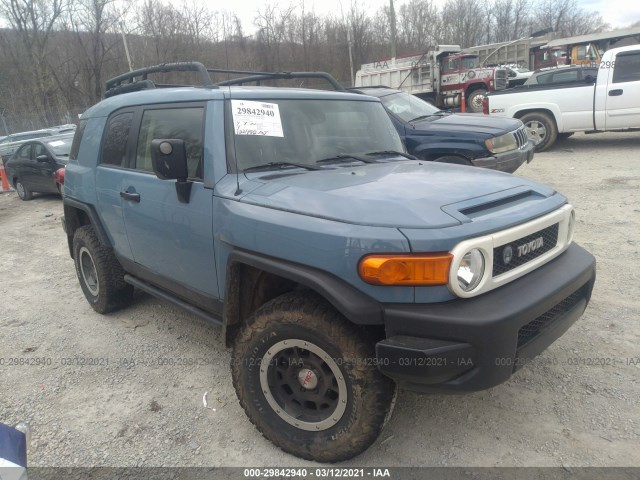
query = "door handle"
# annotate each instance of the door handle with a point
(615, 93)
(132, 197)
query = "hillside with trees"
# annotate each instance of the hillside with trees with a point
(56, 55)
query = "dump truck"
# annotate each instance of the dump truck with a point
(443, 76)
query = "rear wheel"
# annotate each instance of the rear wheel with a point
(100, 274)
(23, 191)
(474, 100)
(306, 379)
(542, 128)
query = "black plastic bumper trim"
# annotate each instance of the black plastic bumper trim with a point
(490, 323)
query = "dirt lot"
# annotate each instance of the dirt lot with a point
(576, 406)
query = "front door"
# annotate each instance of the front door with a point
(44, 169)
(623, 91)
(172, 240)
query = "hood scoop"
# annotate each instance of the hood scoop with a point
(498, 203)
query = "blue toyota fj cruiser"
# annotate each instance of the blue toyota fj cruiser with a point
(338, 265)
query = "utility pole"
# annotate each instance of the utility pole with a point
(4, 123)
(392, 20)
(126, 50)
(350, 54)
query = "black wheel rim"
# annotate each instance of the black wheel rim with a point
(303, 385)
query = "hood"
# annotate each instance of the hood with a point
(475, 123)
(402, 194)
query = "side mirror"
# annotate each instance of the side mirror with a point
(169, 159)
(43, 158)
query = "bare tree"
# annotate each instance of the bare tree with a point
(94, 24)
(463, 24)
(34, 22)
(420, 24)
(271, 23)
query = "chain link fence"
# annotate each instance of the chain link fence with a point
(26, 120)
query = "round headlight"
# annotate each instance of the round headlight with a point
(470, 270)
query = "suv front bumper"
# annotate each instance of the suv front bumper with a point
(507, 162)
(477, 343)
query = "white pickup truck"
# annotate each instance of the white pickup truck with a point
(552, 111)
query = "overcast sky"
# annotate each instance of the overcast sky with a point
(618, 13)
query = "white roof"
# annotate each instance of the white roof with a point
(594, 37)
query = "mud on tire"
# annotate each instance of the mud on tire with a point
(100, 274)
(318, 396)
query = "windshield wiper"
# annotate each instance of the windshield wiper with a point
(439, 113)
(393, 152)
(345, 157)
(267, 166)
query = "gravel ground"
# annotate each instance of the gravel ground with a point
(577, 405)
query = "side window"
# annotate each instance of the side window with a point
(182, 123)
(544, 79)
(77, 139)
(562, 77)
(24, 153)
(627, 67)
(114, 144)
(39, 150)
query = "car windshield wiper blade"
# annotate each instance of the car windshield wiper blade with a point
(439, 113)
(393, 152)
(345, 157)
(267, 166)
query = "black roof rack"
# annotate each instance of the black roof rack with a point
(137, 79)
(258, 77)
(127, 81)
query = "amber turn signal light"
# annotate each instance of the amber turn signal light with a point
(425, 269)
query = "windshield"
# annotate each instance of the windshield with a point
(61, 147)
(305, 131)
(470, 62)
(408, 107)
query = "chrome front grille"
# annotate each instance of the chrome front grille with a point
(500, 79)
(521, 137)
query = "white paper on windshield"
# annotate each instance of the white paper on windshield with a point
(57, 143)
(256, 118)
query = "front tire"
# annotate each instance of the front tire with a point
(474, 100)
(541, 126)
(307, 379)
(23, 191)
(100, 274)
